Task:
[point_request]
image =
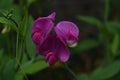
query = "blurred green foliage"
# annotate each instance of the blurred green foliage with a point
(111, 32)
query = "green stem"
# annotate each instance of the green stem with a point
(19, 52)
(22, 70)
(70, 71)
(106, 14)
(108, 56)
(17, 46)
(8, 44)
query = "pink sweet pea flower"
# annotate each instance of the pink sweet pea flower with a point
(67, 32)
(42, 27)
(53, 49)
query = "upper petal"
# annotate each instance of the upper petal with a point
(63, 29)
(52, 16)
(65, 26)
(43, 25)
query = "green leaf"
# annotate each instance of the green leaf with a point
(35, 67)
(87, 44)
(83, 77)
(19, 76)
(23, 26)
(1, 65)
(30, 46)
(24, 58)
(107, 71)
(6, 4)
(17, 14)
(1, 53)
(115, 44)
(91, 20)
(9, 70)
(113, 27)
(96, 73)
(30, 2)
(5, 21)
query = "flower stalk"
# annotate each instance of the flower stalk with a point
(70, 71)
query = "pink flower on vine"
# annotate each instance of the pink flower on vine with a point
(54, 47)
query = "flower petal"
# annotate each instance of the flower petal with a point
(43, 25)
(52, 16)
(61, 51)
(36, 38)
(48, 55)
(50, 58)
(54, 45)
(65, 29)
(47, 45)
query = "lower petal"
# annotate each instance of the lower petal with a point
(62, 51)
(51, 58)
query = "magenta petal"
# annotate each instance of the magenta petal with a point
(43, 25)
(71, 39)
(63, 30)
(52, 16)
(37, 49)
(53, 44)
(36, 38)
(50, 58)
(65, 26)
(47, 45)
(48, 55)
(61, 51)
